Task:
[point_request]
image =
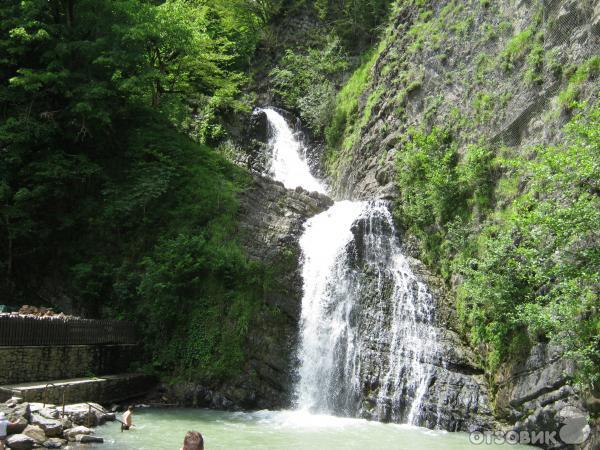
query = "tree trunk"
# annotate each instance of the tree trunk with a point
(70, 13)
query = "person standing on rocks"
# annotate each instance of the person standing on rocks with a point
(193, 441)
(3, 429)
(127, 419)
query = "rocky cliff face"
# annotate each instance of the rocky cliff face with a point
(495, 69)
(498, 72)
(270, 223)
(414, 367)
(536, 393)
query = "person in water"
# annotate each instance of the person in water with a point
(127, 419)
(4, 423)
(193, 441)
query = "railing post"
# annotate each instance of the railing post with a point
(63, 399)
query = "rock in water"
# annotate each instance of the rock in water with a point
(81, 414)
(49, 413)
(87, 439)
(20, 442)
(55, 443)
(71, 433)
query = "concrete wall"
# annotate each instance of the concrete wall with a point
(26, 364)
(105, 390)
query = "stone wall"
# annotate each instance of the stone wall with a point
(25, 364)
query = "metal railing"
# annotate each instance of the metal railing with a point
(41, 331)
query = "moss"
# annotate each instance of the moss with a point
(552, 64)
(368, 109)
(483, 66)
(432, 104)
(535, 61)
(489, 32)
(483, 106)
(516, 48)
(461, 27)
(428, 33)
(345, 125)
(586, 71)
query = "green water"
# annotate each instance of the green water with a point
(163, 429)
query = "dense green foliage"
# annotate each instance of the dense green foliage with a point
(343, 126)
(307, 82)
(105, 198)
(354, 21)
(307, 78)
(529, 270)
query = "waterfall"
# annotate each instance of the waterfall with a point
(288, 159)
(367, 339)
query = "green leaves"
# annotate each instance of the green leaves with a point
(102, 191)
(539, 270)
(306, 82)
(526, 258)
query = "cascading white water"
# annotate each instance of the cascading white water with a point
(326, 331)
(288, 161)
(367, 338)
(366, 319)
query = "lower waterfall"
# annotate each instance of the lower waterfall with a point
(366, 327)
(368, 344)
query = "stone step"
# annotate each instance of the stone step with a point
(104, 389)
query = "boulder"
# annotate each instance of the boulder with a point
(66, 423)
(13, 401)
(52, 427)
(49, 413)
(87, 439)
(36, 407)
(258, 126)
(55, 443)
(20, 442)
(17, 411)
(71, 433)
(36, 433)
(82, 414)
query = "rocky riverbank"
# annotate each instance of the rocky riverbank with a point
(35, 425)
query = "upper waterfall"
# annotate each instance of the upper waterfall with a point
(288, 160)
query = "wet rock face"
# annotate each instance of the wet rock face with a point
(249, 142)
(258, 126)
(536, 394)
(412, 369)
(271, 222)
(252, 150)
